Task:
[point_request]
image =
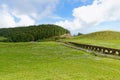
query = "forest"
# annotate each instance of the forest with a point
(32, 33)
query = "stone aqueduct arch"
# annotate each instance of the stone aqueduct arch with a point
(104, 50)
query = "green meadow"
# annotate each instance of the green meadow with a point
(53, 61)
(109, 39)
(105, 43)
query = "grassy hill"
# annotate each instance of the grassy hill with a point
(102, 35)
(33, 33)
(103, 38)
(53, 61)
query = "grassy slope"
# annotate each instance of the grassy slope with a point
(103, 38)
(52, 61)
(2, 38)
(103, 35)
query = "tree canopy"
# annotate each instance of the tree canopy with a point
(32, 33)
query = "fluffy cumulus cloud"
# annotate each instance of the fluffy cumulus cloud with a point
(27, 12)
(6, 21)
(91, 15)
(24, 20)
(8, 18)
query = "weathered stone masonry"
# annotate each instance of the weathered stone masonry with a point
(100, 49)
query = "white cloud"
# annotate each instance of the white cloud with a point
(27, 11)
(25, 20)
(8, 20)
(91, 15)
(40, 8)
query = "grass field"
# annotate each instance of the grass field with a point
(105, 43)
(53, 61)
(109, 39)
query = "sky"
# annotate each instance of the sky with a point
(83, 16)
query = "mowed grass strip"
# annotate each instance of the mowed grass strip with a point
(53, 61)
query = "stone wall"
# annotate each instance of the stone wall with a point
(100, 49)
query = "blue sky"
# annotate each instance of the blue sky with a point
(65, 7)
(84, 16)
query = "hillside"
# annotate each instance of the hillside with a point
(102, 35)
(32, 33)
(109, 39)
(53, 61)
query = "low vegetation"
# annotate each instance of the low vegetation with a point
(103, 38)
(32, 60)
(53, 61)
(102, 35)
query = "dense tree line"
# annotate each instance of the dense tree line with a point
(32, 33)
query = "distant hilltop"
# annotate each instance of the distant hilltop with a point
(102, 35)
(33, 33)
